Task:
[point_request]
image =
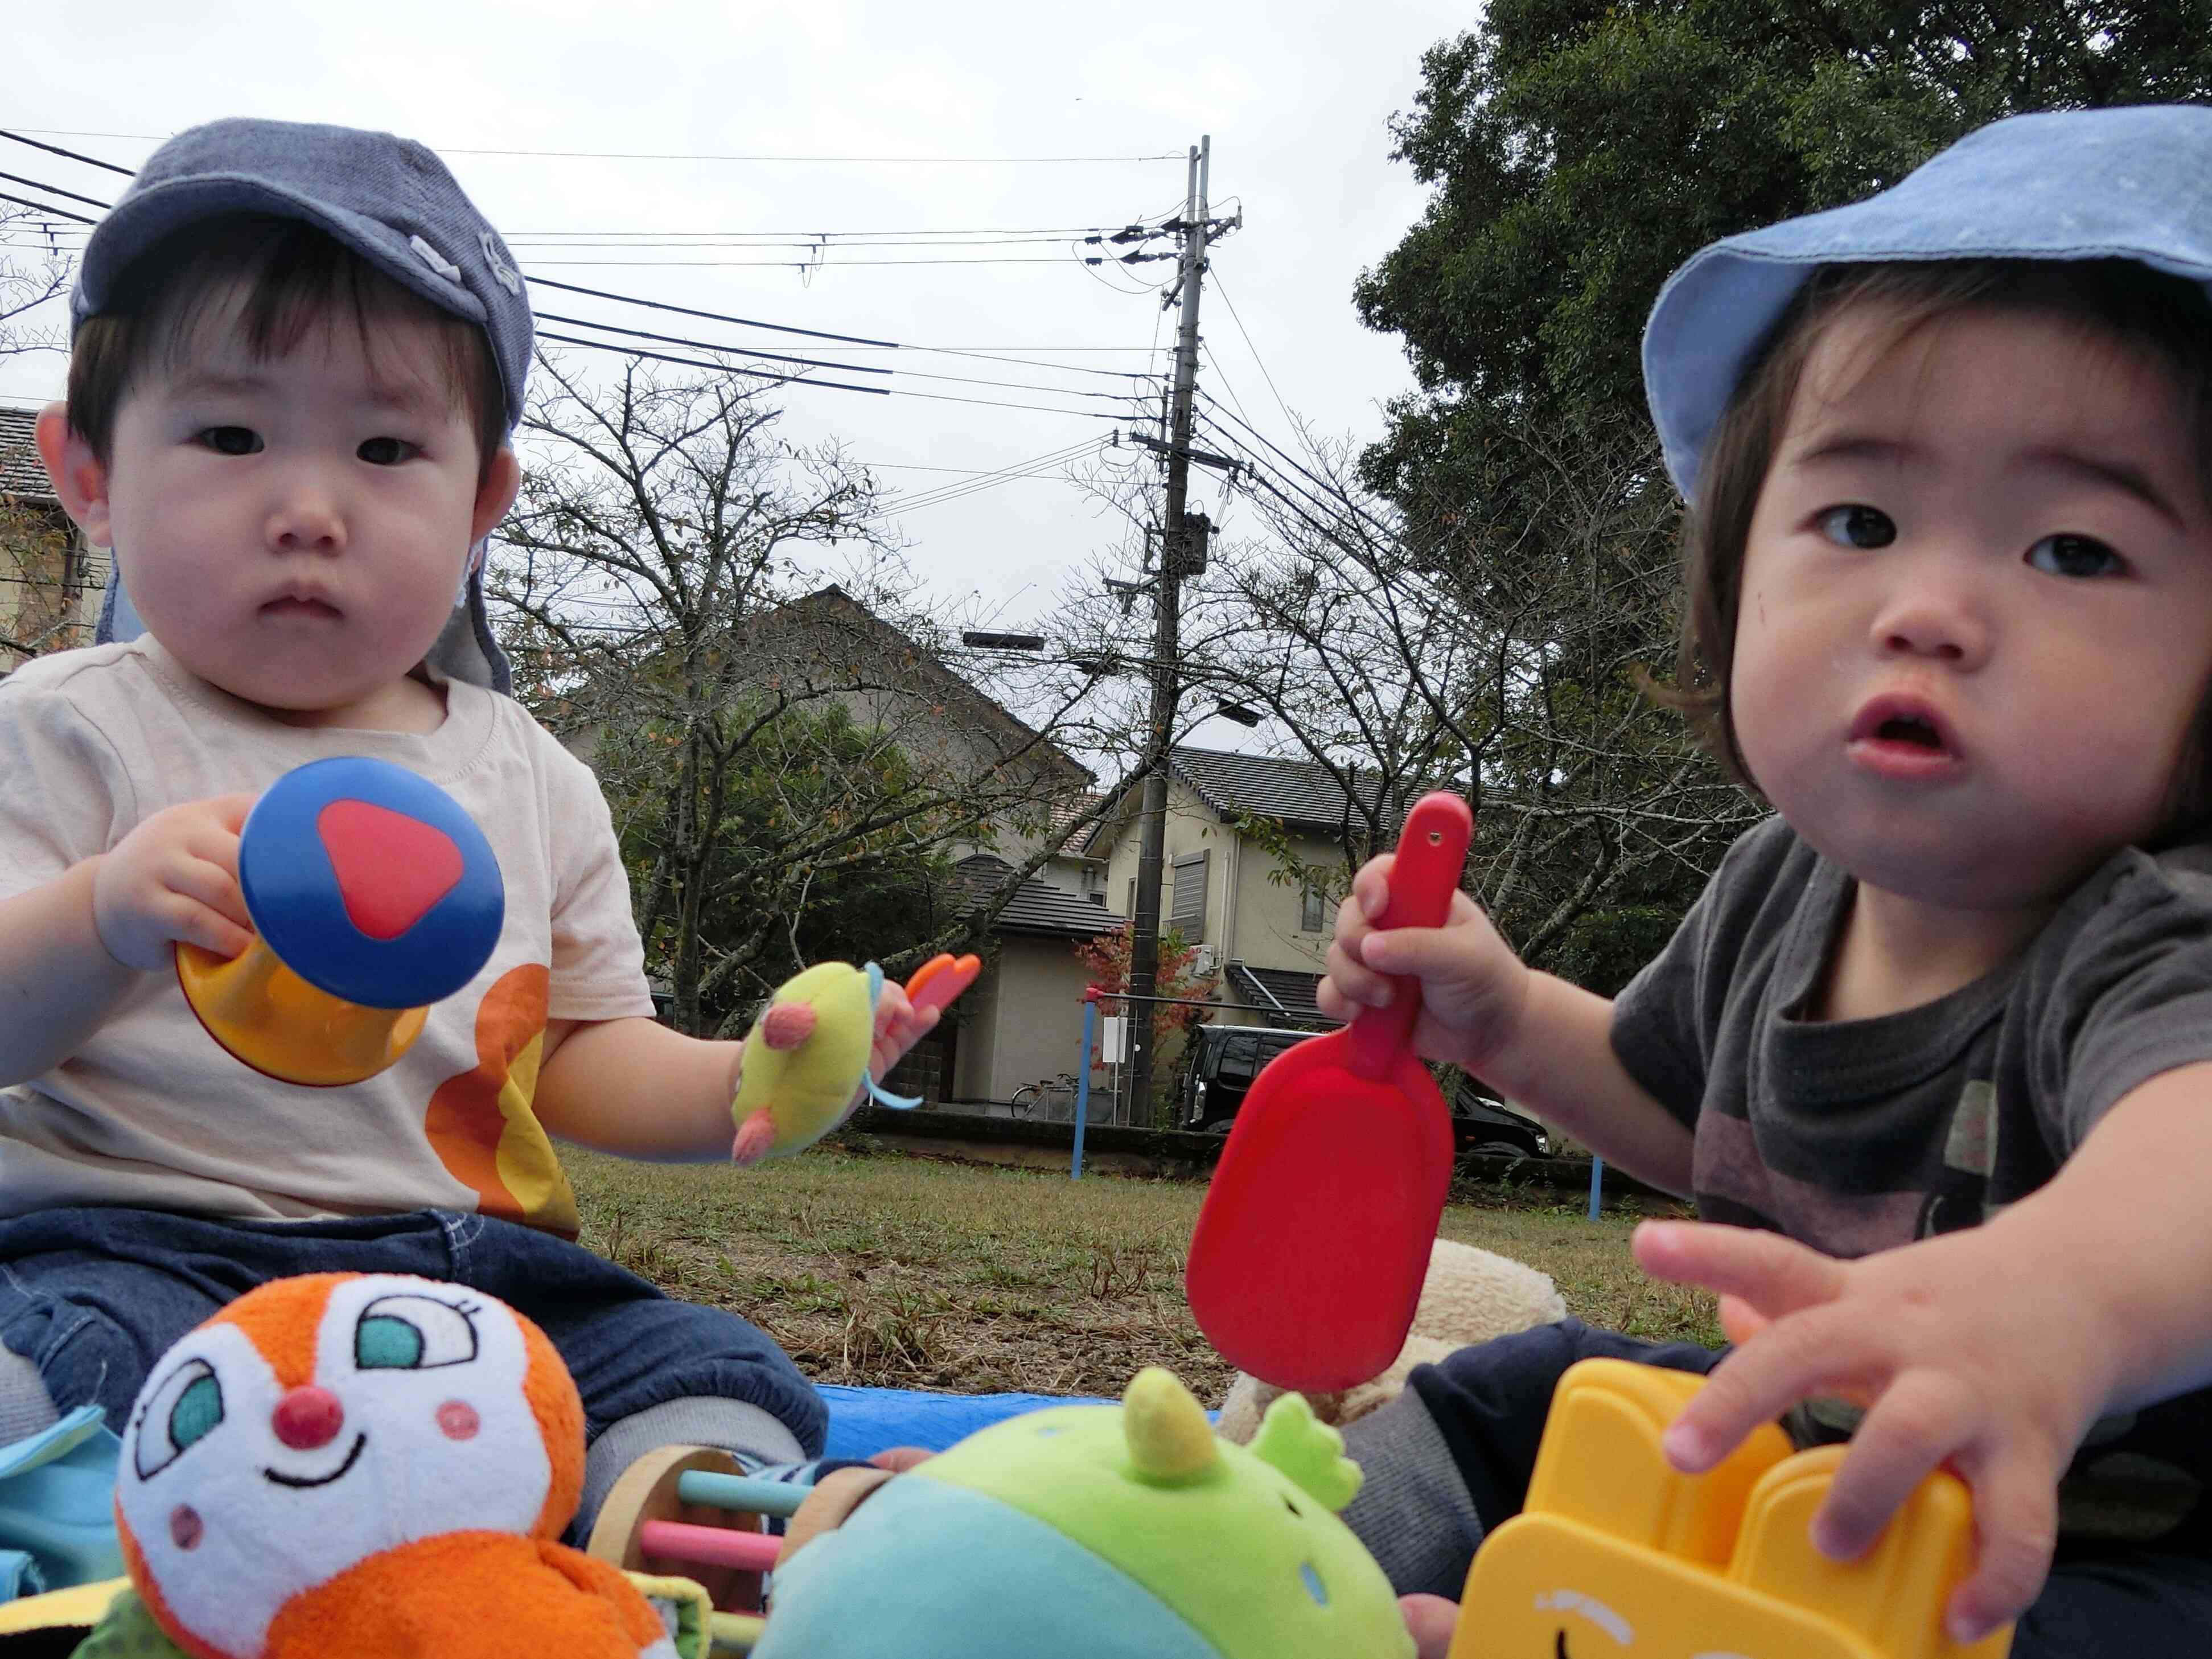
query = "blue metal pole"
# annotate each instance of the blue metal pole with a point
(1597, 1183)
(1083, 1086)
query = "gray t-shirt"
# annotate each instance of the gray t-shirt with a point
(1854, 1136)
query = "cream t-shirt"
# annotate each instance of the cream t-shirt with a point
(151, 1112)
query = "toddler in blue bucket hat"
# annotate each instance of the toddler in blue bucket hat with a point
(298, 356)
(1936, 1042)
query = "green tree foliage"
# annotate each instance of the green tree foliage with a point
(806, 785)
(1579, 151)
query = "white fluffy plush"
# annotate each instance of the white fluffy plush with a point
(1469, 1296)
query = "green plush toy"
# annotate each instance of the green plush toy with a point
(806, 1067)
(1114, 1532)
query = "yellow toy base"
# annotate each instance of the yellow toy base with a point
(79, 1607)
(268, 1017)
(1616, 1553)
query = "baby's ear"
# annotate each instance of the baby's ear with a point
(78, 476)
(495, 495)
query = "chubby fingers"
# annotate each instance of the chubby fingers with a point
(899, 1459)
(1773, 1274)
(1771, 1277)
(1429, 1620)
(2016, 1529)
(897, 1017)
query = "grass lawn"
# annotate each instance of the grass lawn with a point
(911, 1272)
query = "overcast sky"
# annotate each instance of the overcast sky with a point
(1296, 95)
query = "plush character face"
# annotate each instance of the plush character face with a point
(1125, 1532)
(318, 1421)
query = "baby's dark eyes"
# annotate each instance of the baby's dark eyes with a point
(232, 440)
(245, 440)
(1858, 526)
(2074, 555)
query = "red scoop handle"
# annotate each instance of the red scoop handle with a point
(1431, 853)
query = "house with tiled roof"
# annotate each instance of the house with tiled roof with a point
(50, 578)
(1022, 1023)
(1228, 888)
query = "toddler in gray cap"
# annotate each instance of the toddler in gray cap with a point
(1935, 1046)
(298, 356)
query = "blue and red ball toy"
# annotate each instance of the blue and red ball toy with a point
(372, 894)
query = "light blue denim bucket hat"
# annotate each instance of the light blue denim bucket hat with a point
(2130, 183)
(391, 202)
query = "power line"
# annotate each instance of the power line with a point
(835, 386)
(1256, 358)
(970, 230)
(700, 362)
(55, 149)
(702, 345)
(711, 316)
(784, 328)
(777, 264)
(1036, 466)
(58, 213)
(54, 190)
(833, 241)
(665, 155)
(739, 350)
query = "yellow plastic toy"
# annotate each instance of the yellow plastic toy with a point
(1617, 1554)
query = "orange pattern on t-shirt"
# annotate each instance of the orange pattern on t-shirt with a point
(481, 1123)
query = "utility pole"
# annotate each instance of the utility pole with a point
(1175, 536)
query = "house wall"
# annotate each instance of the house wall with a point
(50, 578)
(1025, 1017)
(1267, 933)
(1192, 827)
(1249, 917)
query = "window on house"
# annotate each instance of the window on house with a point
(1313, 911)
(1186, 915)
(1098, 896)
(1129, 905)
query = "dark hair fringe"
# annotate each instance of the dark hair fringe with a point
(2122, 301)
(295, 278)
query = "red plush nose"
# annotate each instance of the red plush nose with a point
(309, 1416)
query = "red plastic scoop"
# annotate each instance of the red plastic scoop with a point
(1308, 1259)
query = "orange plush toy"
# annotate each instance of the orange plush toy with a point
(350, 1466)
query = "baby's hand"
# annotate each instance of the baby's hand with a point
(899, 1026)
(1473, 986)
(1430, 1620)
(175, 878)
(1955, 1364)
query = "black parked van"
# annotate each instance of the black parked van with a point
(1220, 1062)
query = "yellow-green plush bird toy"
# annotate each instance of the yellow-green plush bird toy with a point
(805, 1064)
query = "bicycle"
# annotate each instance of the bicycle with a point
(1049, 1090)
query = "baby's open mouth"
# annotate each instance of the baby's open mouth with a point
(1907, 729)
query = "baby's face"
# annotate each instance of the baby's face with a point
(1976, 618)
(294, 529)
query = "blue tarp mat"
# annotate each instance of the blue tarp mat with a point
(863, 1421)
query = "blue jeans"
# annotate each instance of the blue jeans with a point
(93, 1297)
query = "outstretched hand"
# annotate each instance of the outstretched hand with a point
(2001, 1389)
(899, 1026)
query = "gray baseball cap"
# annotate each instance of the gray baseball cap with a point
(387, 199)
(2128, 184)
